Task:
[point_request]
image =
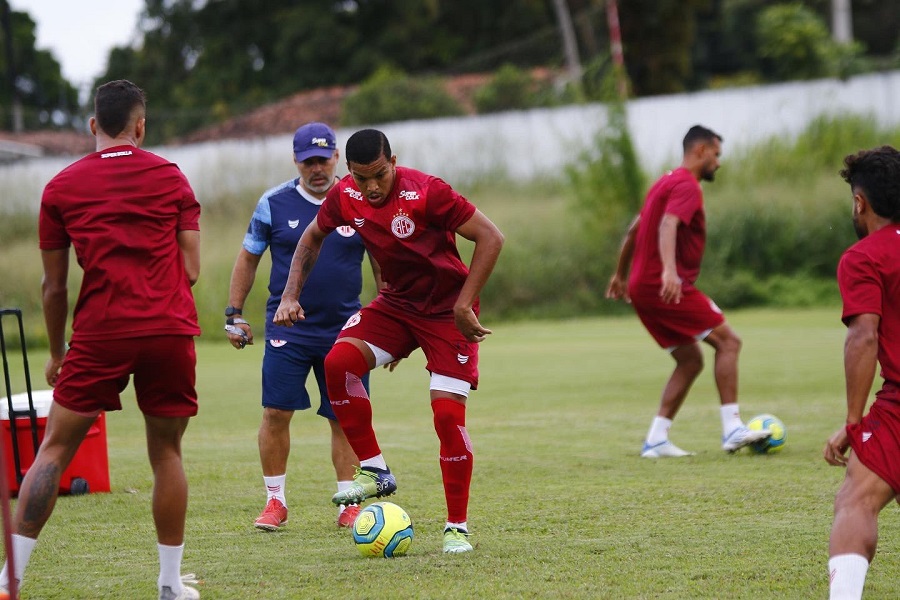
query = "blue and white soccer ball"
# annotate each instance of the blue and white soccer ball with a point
(383, 529)
(773, 424)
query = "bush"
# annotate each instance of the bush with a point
(391, 95)
(793, 42)
(509, 89)
(607, 180)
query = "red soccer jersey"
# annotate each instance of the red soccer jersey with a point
(677, 193)
(411, 235)
(869, 279)
(121, 209)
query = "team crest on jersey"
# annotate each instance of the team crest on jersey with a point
(352, 321)
(409, 195)
(293, 223)
(402, 226)
(346, 231)
(277, 343)
(355, 194)
(359, 222)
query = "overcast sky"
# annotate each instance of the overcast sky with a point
(80, 33)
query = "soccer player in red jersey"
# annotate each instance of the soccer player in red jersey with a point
(134, 223)
(869, 279)
(663, 249)
(429, 299)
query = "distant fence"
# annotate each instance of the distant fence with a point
(522, 145)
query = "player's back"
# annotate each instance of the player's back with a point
(121, 210)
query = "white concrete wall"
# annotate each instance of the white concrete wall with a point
(523, 144)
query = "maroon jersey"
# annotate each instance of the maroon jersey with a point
(677, 193)
(869, 280)
(411, 236)
(121, 209)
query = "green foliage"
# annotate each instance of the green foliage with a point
(391, 95)
(778, 218)
(46, 99)
(607, 182)
(658, 36)
(510, 88)
(794, 43)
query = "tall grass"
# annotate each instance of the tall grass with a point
(777, 217)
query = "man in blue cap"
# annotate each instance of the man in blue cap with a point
(281, 215)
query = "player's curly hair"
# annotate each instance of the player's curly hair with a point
(114, 104)
(876, 173)
(366, 146)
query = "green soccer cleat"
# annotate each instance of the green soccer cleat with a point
(456, 541)
(369, 482)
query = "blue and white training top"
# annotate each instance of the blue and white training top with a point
(331, 294)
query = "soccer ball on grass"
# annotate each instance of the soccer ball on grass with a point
(773, 424)
(383, 529)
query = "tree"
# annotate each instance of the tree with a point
(658, 36)
(34, 78)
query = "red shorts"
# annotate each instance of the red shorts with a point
(95, 373)
(673, 324)
(876, 441)
(446, 350)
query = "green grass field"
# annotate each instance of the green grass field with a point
(562, 506)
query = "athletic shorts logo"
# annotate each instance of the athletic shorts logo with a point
(293, 224)
(355, 194)
(346, 231)
(277, 343)
(359, 222)
(462, 358)
(352, 321)
(402, 226)
(866, 435)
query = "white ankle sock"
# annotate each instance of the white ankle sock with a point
(376, 461)
(659, 430)
(463, 527)
(275, 488)
(731, 417)
(170, 567)
(22, 549)
(848, 576)
(343, 485)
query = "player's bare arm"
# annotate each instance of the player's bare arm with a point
(618, 283)
(54, 296)
(488, 243)
(860, 364)
(189, 243)
(305, 256)
(670, 286)
(243, 274)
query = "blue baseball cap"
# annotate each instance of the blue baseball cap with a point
(314, 139)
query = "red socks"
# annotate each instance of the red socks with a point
(344, 367)
(455, 454)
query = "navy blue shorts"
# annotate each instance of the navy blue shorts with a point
(285, 369)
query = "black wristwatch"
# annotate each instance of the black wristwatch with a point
(231, 311)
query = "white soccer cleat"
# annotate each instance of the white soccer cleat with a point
(187, 592)
(743, 436)
(664, 449)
